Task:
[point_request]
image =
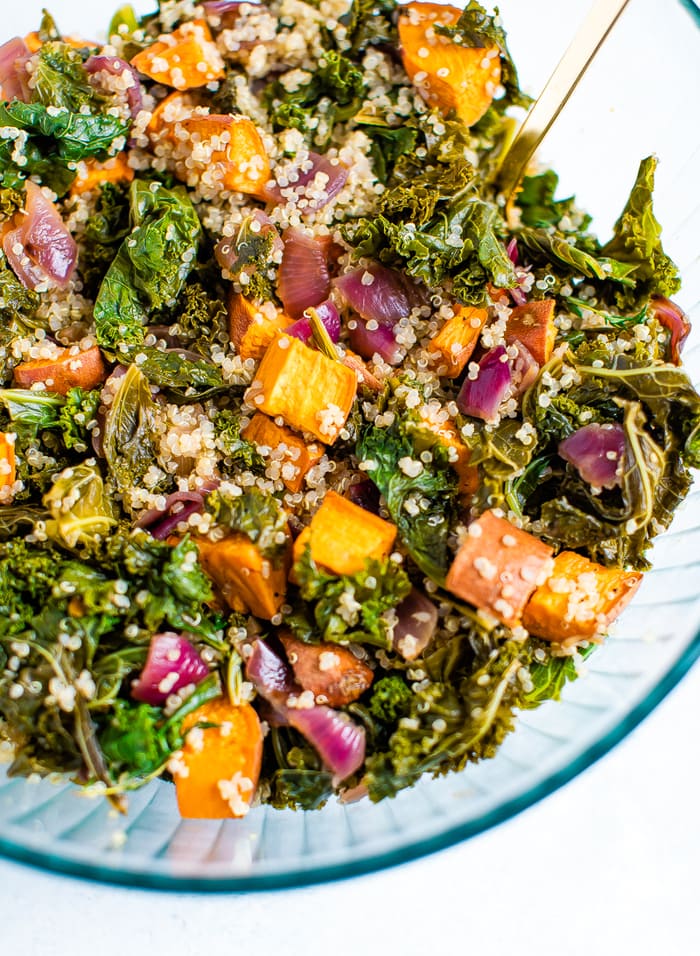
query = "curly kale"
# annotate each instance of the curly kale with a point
(106, 228)
(60, 80)
(255, 513)
(200, 318)
(391, 699)
(238, 452)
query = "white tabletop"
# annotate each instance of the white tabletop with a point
(606, 866)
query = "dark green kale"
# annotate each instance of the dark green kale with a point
(200, 317)
(501, 457)
(333, 94)
(539, 208)
(255, 513)
(182, 377)
(294, 772)
(31, 413)
(81, 511)
(18, 309)
(106, 228)
(60, 80)
(371, 23)
(391, 699)
(152, 263)
(250, 252)
(239, 452)
(130, 431)
(348, 607)
(79, 410)
(389, 144)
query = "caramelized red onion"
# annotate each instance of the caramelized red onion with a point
(13, 74)
(178, 507)
(673, 318)
(481, 397)
(303, 280)
(377, 293)
(115, 66)
(325, 176)
(172, 663)
(339, 741)
(370, 338)
(415, 626)
(40, 249)
(365, 494)
(327, 313)
(597, 452)
(524, 368)
(224, 13)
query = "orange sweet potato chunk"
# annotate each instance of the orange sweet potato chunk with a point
(498, 567)
(448, 76)
(533, 325)
(454, 343)
(8, 465)
(342, 535)
(114, 170)
(251, 330)
(579, 600)
(247, 581)
(217, 774)
(310, 391)
(86, 370)
(297, 457)
(187, 58)
(229, 151)
(327, 670)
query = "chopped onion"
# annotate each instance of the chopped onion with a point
(482, 396)
(223, 13)
(115, 66)
(327, 313)
(302, 281)
(377, 293)
(40, 250)
(524, 368)
(376, 341)
(332, 176)
(172, 663)
(339, 741)
(597, 452)
(178, 507)
(673, 318)
(365, 494)
(417, 619)
(13, 74)
(512, 251)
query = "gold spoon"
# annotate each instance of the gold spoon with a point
(588, 40)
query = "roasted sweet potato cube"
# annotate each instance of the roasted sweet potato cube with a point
(84, 369)
(329, 671)
(248, 581)
(229, 153)
(447, 75)
(311, 392)
(498, 566)
(454, 343)
(186, 58)
(579, 600)
(93, 174)
(295, 455)
(8, 468)
(343, 535)
(533, 325)
(251, 329)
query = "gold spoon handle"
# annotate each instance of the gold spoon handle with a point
(559, 87)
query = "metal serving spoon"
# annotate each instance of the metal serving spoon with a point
(588, 40)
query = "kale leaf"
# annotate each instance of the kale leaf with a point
(181, 376)
(130, 431)
(254, 513)
(106, 228)
(60, 80)
(371, 23)
(239, 452)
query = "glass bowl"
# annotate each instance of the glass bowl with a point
(630, 104)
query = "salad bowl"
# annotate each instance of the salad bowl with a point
(629, 105)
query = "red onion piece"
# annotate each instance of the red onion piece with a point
(673, 318)
(115, 66)
(524, 368)
(481, 397)
(597, 452)
(377, 293)
(332, 176)
(327, 313)
(365, 494)
(339, 741)
(417, 619)
(172, 664)
(40, 250)
(224, 13)
(178, 507)
(370, 341)
(13, 74)
(512, 251)
(302, 280)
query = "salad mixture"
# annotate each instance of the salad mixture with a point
(318, 460)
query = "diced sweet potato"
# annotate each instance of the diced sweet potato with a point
(454, 343)
(173, 108)
(34, 42)
(8, 468)
(86, 370)
(498, 567)
(296, 456)
(218, 771)
(533, 325)
(449, 438)
(114, 170)
(187, 58)
(579, 599)
(447, 75)
(327, 670)
(248, 581)
(228, 152)
(311, 392)
(250, 328)
(342, 536)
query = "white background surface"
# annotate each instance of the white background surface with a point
(608, 865)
